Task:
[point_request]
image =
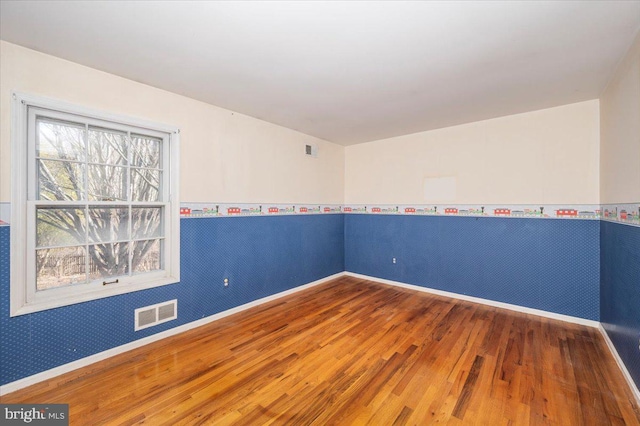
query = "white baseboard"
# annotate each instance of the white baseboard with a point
(634, 389)
(517, 308)
(48, 374)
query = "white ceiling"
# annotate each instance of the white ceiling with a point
(347, 72)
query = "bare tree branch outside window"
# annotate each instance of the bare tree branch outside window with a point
(96, 217)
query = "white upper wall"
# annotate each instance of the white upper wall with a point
(225, 156)
(620, 132)
(549, 156)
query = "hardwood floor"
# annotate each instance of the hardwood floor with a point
(356, 352)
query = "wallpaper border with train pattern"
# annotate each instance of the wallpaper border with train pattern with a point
(626, 213)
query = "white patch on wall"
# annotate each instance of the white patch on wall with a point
(5, 213)
(440, 189)
(151, 315)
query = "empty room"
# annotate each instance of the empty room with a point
(310, 212)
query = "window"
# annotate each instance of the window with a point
(94, 205)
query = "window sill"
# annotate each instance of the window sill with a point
(43, 305)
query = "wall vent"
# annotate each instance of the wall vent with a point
(149, 316)
(311, 150)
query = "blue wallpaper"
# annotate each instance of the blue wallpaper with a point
(620, 291)
(261, 256)
(551, 265)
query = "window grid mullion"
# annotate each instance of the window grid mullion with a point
(86, 206)
(129, 145)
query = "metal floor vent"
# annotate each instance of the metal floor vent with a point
(156, 314)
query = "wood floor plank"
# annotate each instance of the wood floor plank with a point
(352, 351)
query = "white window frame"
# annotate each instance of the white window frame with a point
(24, 297)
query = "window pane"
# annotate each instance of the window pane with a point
(145, 185)
(107, 147)
(60, 267)
(60, 140)
(108, 260)
(60, 181)
(145, 151)
(146, 222)
(147, 256)
(60, 226)
(107, 183)
(108, 224)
